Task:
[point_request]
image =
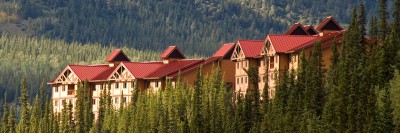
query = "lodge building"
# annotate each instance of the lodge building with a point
(272, 56)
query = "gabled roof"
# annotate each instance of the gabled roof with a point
(251, 48)
(322, 39)
(195, 67)
(224, 50)
(88, 72)
(310, 30)
(117, 55)
(171, 68)
(172, 52)
(296, 29)
(329, 24)
(283, 43)
(142, 69)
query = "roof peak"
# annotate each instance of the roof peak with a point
(117, 55)
(172, 52)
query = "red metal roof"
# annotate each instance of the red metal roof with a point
(169, 50)
(90, 73)
(251, 48)
(322, 39)
(114, 54)
(326, 21)
(142, 69)
(223, 50)
(172, 67)
(283, 43)
(194, 67)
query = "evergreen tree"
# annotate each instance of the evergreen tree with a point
(362, 20)
(11, 120)
(42, 99)
(383, 19)
(196, 123)
(35, 116)
(23, 125)
(252, 99)
(329, 113)
(88, 107)
(386, 118)
(4, 118)
(64, 119)
(80, 109)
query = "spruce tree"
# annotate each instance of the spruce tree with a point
(42, 99)
(329, 113)
(4, 118)
(64, 119)
(252, 99)
(80, 109)
(35, 116)
(88, 107)
(23, 125)
(11, 120)
(196, 123)
(386, 118)
(383, 19)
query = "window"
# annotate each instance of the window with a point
(245, 80)
(124, 85)
(101, 86)
(55, 102)
(132, 84)
(237, 80)
(94, 101)
(271, 62)
(56, 89)
(241, 80)
(125, 99)
(237, 65)
(63, 88)
(156, 84)
(116, 100)
(116, 85)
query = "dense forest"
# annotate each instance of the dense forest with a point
(197, 26)
(40, 60)
(359, 92)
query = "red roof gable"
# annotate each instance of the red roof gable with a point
(296, 29)
(327, 21)
(283, 43)
(309, 29)
(142, 69)
(117, 53)
(224, 50)
(172, 67)
(251, 48)
(171, 49)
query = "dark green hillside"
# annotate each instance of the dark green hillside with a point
(196, 26)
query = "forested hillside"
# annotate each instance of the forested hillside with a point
(196, 26)
(39, 60)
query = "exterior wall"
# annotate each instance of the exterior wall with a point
(60, 94)
(228, 69)
(241, 75)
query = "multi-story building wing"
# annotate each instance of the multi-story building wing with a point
(121, 75)
(281, 52)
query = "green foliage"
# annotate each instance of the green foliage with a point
(23, 125)
(41, 59)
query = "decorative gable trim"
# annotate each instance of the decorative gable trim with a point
(67, 76)
(121, 73)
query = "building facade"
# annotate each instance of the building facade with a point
(273, 55)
